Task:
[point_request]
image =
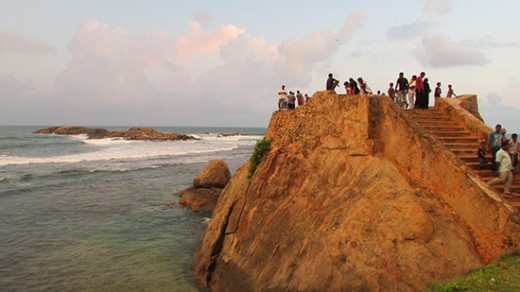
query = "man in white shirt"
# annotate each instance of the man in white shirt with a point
(282, 99)
(504, 168)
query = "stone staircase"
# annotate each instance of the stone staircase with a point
(464, 145)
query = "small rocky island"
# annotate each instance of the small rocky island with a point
(144, 134)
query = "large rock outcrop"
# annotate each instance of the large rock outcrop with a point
(203, 195)
(353, 196)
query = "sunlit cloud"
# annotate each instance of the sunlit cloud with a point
(196, 40)
(10, 43)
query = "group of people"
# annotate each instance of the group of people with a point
(413, 93)
(505, 156)
(288, 101)
(351, 86)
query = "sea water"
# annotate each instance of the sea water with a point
(102, 215)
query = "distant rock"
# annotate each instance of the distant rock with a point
(203, 195)
(222, 135)
(147, 134)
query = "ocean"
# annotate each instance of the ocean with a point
(103, 215)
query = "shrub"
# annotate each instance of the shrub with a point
(261, 148)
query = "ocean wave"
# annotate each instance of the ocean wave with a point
(110, 150)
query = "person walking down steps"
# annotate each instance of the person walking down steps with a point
(505, 168)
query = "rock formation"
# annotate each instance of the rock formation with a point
(354, 195)
(147, 134)
(202, 196)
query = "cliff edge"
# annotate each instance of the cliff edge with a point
(354, 195)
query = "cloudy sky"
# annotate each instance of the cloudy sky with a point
(220, 63)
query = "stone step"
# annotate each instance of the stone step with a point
(455, 140)
(427, 120)
(460, 146)
(436, 127)
(465, 147)
(466, 151)
(438, 133)
(423, 113)
(500, 188)
(474, 158)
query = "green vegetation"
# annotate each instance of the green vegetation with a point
(261, 148)
(501, 276)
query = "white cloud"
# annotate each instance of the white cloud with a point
(439, 52)
(437, 6)
(302, 55)
(409, 31)
(10, 43)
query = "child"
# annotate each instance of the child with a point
(391, 92)
(438, 90)
(482, 155)
(450, 93)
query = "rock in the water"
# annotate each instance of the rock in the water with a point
(202, 196)
(200, 200)
(147, 134)
(215, 174)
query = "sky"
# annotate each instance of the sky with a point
(221, 63)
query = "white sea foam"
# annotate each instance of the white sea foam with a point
(119, 149)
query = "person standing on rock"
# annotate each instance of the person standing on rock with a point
(426, 97)
(291, 101)
(419, 91)
(282, 98)
(391, 92)
(504, 168)
(401, 85)
(411, 92)
(354, 86)
(299, 98)
(450, 92)
(438, 90)
(495, 143)
(363, 87)
(331, 82)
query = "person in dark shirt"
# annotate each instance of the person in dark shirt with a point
(426, 96)
(401, 85)
(482, 154)
(331, 82)
(438, 90)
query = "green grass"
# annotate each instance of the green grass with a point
(261, 148)
(504, 275)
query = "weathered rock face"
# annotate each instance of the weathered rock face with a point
(147, 134)
(207, 186)
(352, 196)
